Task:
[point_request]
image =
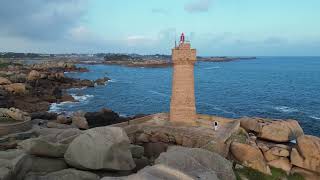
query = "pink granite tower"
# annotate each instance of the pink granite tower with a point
(182, 106)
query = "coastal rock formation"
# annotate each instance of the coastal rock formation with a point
(60, 126)
(307, 154)
(46, 165)
(102, 81)
(273, 130)
(43, 146)
(16, 88)
(44, 115)
(33, 75)
(13, 164)
(4, 81)
(66, 174)
(136, 151)
(197, 162)
(62, 119)
(185, 163)
(281, 163)
(102, 118)
(104, 147)
(307, 175)
(79, 120)
(249, 156)
(15, 114)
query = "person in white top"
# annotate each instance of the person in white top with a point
(215, 125)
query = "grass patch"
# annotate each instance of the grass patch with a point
(241, 136)
(277, 174)
(4, 65)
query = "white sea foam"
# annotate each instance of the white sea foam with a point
(159, 93)
(82, 88)
(315, 117)
(57, 107)
(294, 141)
(286, 109)
(214, 67)
(112, 80)
(123, 115)
(82, 98)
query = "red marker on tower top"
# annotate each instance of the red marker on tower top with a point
(182, 38)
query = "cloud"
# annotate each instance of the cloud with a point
(40, 19)
(198, 6)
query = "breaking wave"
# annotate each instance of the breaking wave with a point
(159, 93)
(285, 109)
(58, 107)
(214, 67)
(315, 117)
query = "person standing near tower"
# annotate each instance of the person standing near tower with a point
(182, 105)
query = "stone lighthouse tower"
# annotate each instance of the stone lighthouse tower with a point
(182, 106)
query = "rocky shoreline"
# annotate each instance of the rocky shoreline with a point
(80, 147)
(167, 63)
(36, 144)
(33, 88)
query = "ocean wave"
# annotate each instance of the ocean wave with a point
(123, 115)
(285, 109)
(315, 117)
(112, 80)
(82, 88)
(57, 107)
(82, 98)
(214, 67)
(159, 93)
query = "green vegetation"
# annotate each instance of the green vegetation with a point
(277, 174)
(4, 65)
(241, 136)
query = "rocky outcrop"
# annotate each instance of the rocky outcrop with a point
(104, 147)
(16, 88)
(15, 114)
(33, 75)
(87, 83)
(4, 81)
(160, 172)
(205, 164)
(281, 163)
(62, 119)
(102, 118)
(14, 164)
(136, 151)
(66, 174)
(43, 146)
(307, 154)
(44, 115)
(185, 163)
(60, 126)
(249, 156)
(307, 175)
(273, 130)
(47, 165)
(79, 120)
(102, 81)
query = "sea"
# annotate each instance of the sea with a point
(267, 87)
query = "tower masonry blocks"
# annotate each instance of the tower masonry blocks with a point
(182, 106)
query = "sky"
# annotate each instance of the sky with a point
(214, 27)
